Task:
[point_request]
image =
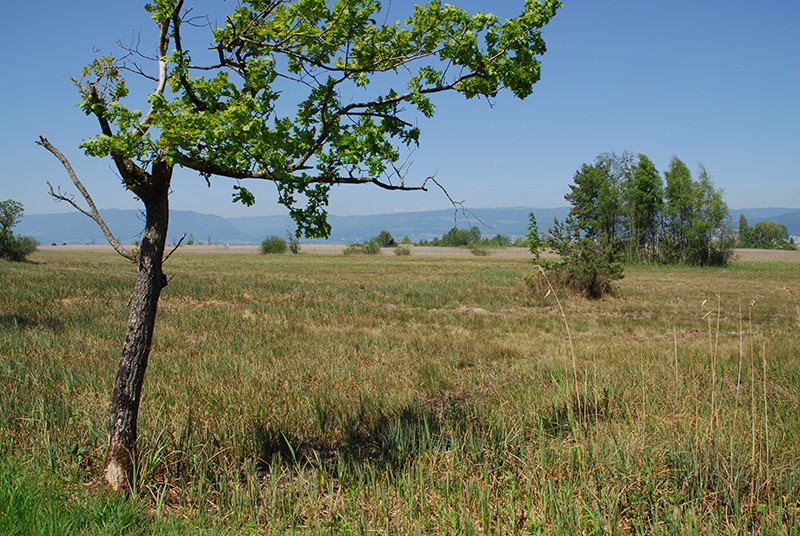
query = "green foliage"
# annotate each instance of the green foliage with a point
(621, 201)
(478, 250)
(402, 250)
(588, 265)
(745, 233)
(385, 239)
(535, 243)
(273, 245)
(644, 194)
(234, 118)
(768, 235)
(13, 247)
(370, 247)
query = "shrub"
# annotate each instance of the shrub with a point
(13, 247)
(17, 248)
(588, 265)
(402, 250)
(385, 240)
(367, 248)
(478, 250)
(273, 244)
(294, 243)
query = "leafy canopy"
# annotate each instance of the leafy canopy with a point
(295, 93)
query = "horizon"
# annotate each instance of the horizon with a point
(458, 209)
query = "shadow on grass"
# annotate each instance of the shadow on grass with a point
(380, 439)
(10, 321)
(563, 418)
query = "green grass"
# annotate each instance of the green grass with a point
(318, 394)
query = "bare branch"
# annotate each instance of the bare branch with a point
(206, 168)
(163, 47)
(92, 212)
(173, 249)
(457, 205)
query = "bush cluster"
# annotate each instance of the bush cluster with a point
(370, 247)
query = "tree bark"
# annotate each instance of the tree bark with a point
(150, 280)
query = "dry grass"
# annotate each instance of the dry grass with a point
(324, 394)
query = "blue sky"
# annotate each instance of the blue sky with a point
(710, 81)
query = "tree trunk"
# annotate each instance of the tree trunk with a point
(124, 409)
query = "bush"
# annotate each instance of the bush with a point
(273, 244)
(13, 247)
(384, 240)
(402, 250)
(367, 248)
(478, 250)
(17, 248)
(588, 265)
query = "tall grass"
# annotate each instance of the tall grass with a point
(406, 395)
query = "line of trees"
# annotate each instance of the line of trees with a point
(623, 203)
(459, 237)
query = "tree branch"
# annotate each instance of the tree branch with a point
(163, 46)
(212, 168)
(93, 213)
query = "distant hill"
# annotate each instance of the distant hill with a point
(75, 228)
(127, 225)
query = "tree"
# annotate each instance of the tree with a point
(709, 240)
(771, 235)
(535, 243)
(644, 194)
(13, 247)
(287, 97)
(678, 208)
(745, 233)
(385, 239)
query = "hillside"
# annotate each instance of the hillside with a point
(75, 228)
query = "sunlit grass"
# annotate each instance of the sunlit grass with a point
(409, 395)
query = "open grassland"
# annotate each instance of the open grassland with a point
(403, 395)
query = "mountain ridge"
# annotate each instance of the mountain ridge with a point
(127, 225)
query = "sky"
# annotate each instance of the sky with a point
(711, 81)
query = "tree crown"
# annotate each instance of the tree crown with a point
(295, 92)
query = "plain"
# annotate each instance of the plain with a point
(401, 395)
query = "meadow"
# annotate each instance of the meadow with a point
(324, 394)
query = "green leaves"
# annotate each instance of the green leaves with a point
(309, 93)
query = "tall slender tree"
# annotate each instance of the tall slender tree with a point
(644, 194)
(679, 202)
(288, 97)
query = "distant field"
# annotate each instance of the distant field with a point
(743, 255)
(431, 394)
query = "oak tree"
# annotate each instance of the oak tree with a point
(305, 94)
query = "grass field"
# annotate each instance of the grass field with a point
(403, 395)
